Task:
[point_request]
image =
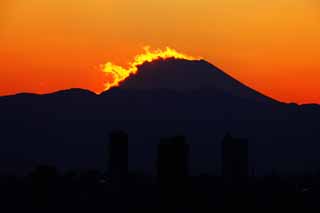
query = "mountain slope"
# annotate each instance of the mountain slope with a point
(185, 76)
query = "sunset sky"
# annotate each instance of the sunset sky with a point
(272, 46)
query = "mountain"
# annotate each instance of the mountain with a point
(185, 76)
(166, 97)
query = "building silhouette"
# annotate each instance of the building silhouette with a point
(173, 158)
(118, 157)
(235, 165)
(172, 170)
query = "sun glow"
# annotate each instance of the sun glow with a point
(116, 74)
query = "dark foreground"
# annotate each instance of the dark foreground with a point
(46, 190)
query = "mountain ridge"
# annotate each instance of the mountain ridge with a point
(184, 75)
(69, 128)
(145, 68)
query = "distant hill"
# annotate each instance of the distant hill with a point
(167, 97)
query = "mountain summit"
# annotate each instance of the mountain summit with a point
(182, 75)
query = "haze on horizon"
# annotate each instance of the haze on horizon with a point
(272, 46)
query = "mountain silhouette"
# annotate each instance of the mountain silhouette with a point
(166, 97)
(185, 76)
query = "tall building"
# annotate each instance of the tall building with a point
(118, 156)
(172, 168)
(173, 157)
(235, 161)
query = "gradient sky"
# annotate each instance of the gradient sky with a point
(272, 46)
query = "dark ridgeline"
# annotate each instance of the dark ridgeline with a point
(196, 91)
(235, 160)
(118, 157)
(172, 170)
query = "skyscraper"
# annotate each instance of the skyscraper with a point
(235, 166)
(173, 157)
(118, 156)
(172, 168)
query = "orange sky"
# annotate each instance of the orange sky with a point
(272, 46)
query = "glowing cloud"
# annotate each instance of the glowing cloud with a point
(116, 74)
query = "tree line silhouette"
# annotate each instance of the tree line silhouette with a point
(172, 189)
